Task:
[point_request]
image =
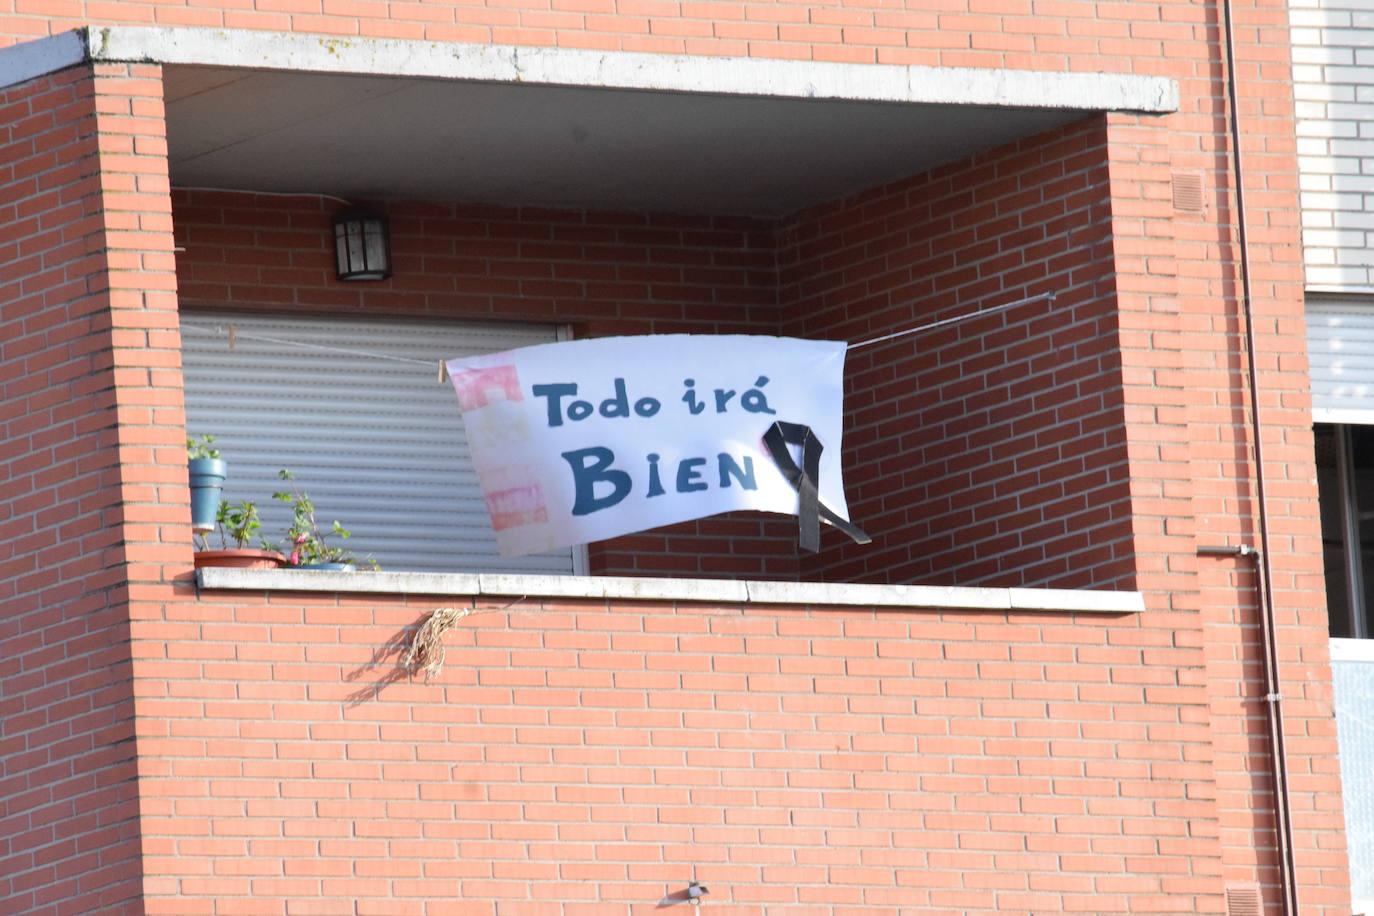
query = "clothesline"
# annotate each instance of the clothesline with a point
(953, 319)
(233, 335)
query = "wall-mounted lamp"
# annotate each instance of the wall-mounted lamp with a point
(362, 248)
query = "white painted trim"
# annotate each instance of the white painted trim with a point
(1337, 291)
(1352, 650)
(632, 70)
(1346, 416)
(729, 591)
(32, 59)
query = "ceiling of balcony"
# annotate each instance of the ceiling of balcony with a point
(362, 137)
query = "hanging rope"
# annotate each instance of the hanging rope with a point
(426, 652)
(231, 332)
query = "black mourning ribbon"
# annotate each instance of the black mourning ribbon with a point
(803, 479)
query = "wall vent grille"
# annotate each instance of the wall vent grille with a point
(1187, 191)
(1243, 900)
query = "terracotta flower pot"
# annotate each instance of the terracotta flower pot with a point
(240, 559)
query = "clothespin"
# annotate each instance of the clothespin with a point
(233, 336)
(443, 371)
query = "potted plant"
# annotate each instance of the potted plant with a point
(305, 544)
(238, 523)
(206, 472)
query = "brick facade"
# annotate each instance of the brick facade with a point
(1167, 38)
(69, 829)
(577, 757)
(168, 751)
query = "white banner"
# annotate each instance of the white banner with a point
(589, 439)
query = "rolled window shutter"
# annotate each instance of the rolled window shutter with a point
(1340, 349)
(355, 409)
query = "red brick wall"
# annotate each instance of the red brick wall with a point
(1087, 36)
(69, 837)
(577, 756)
(603, 273)
(1157, 786)
(989, 451)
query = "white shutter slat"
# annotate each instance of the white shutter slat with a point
(377, 443)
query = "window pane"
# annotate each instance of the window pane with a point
(1362, 464)
(1330, 497)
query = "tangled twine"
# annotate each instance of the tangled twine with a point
(426, 652)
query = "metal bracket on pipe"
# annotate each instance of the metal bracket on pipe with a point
(1226, 550)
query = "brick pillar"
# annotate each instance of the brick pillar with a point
(1192, 462)
(90, 429)
(145, 341)
(70, 835)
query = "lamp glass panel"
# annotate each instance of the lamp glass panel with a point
(357, 259)
(375, 246)
(341, 247)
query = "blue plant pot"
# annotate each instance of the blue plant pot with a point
(342, 567)
(207, 482)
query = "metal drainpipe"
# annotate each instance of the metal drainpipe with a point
(1273, 700)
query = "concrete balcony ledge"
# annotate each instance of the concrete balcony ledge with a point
(726, 591)
(300, 51)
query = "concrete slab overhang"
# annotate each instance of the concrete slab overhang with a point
(367, 118)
